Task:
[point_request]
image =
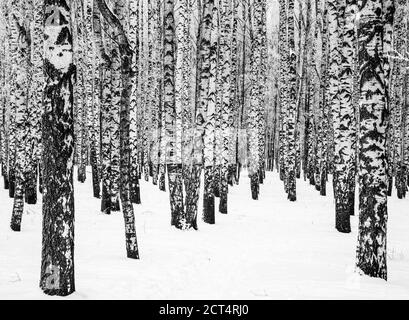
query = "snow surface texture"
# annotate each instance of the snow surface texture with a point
(265, 249)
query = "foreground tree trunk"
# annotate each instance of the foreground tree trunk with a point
(57, 264)
(373, 215)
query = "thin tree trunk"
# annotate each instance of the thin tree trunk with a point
(172, 122)
(127, 72)
(36, 102)
(21, 99)
(134, 42)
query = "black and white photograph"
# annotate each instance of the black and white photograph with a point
(204, 150)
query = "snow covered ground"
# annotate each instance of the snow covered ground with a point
(266, 249)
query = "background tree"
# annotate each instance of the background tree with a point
(373, 214)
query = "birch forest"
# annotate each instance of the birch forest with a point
(195, 98)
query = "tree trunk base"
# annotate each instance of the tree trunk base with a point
(208, 209)
(56, 292)
(291, 196)
(343, 229)
(231, 173)
(312, 179)
(155, 175)
(95, 184)
(224, 189)
(223, 203)
(261, 176)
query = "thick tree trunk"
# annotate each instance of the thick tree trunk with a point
(57, 264)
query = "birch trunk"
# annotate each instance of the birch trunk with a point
(126, 72)
(225, 77)
(57, 264)
(172, 121)
(371, 251)
(209, 130)
(21, 99)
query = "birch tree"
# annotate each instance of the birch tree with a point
(21, 100)
(373, 214)
(210, 100)
(172, 121)
(57, 263)
(126, 72)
